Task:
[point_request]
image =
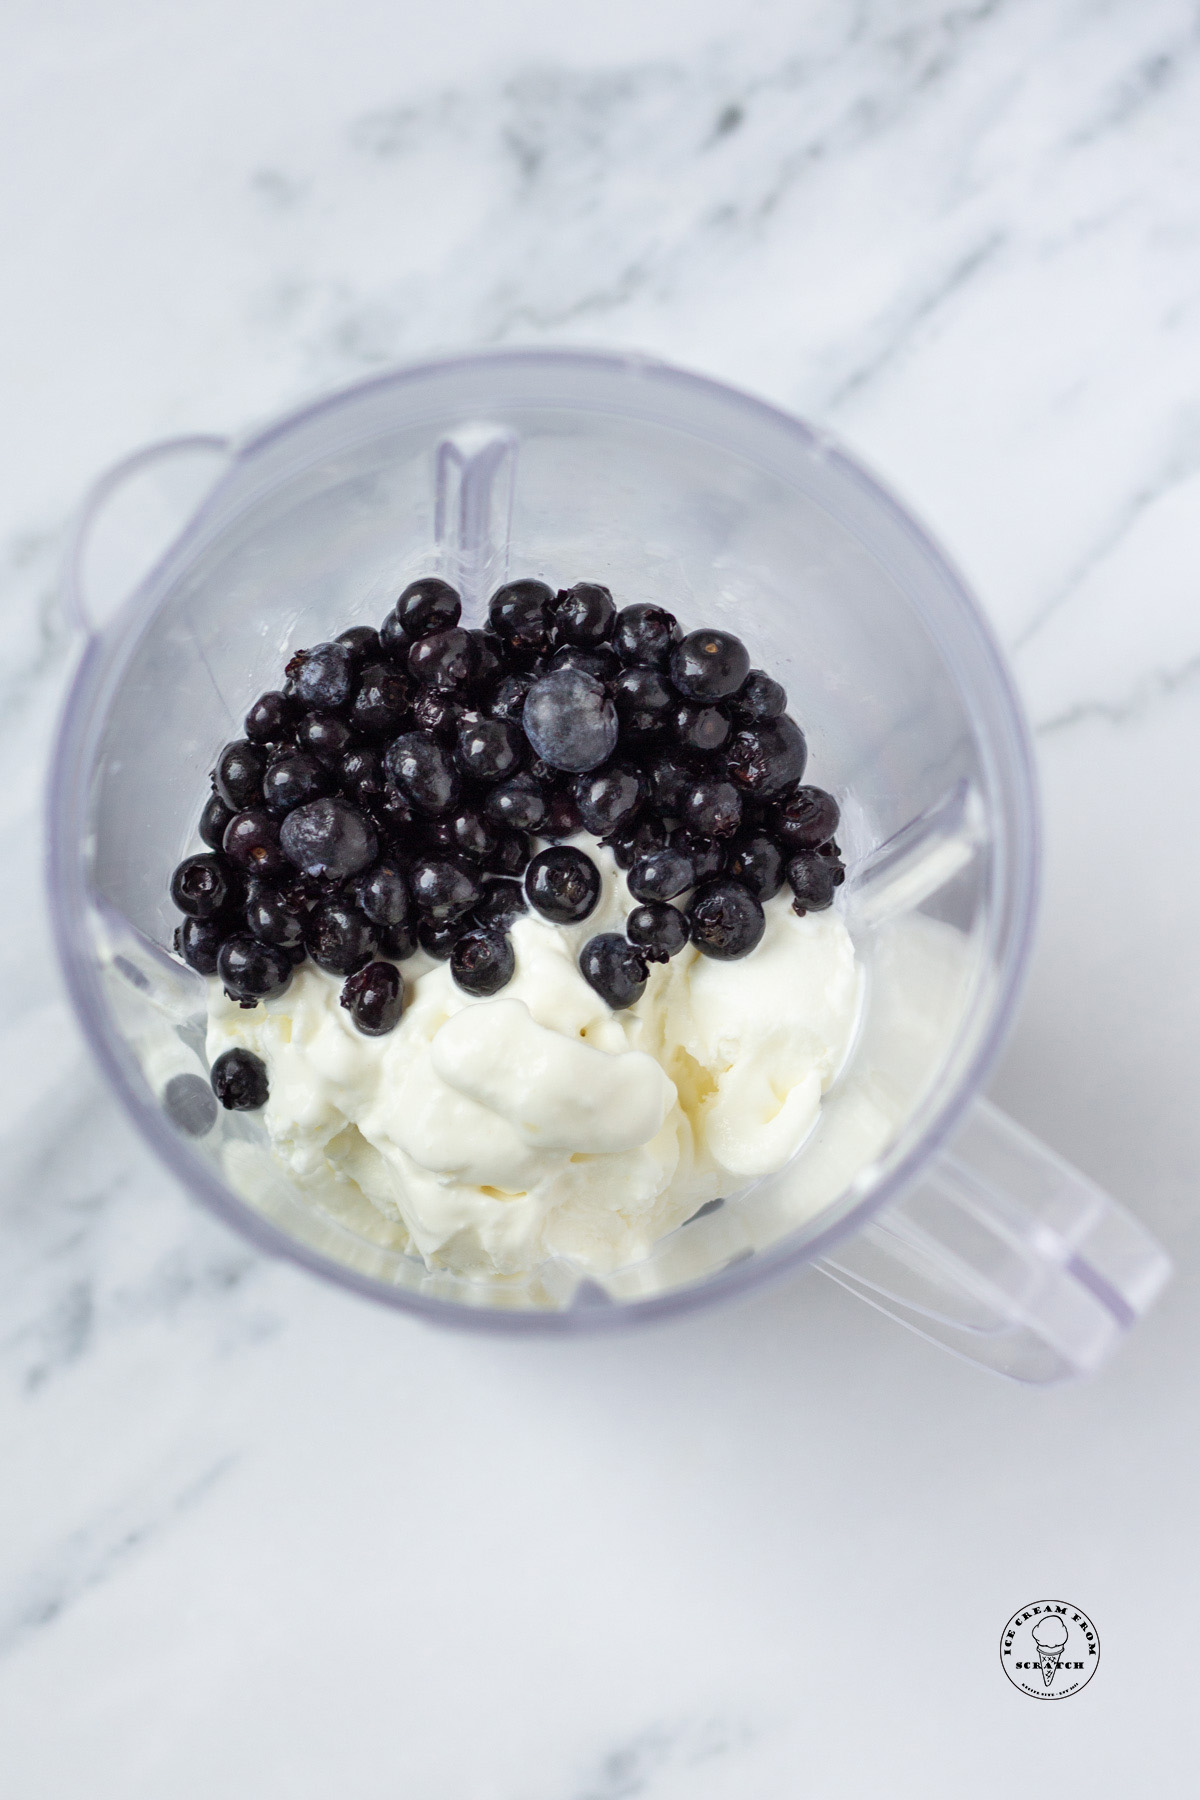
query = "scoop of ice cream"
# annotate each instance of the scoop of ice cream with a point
(539, 1122)
(1050, 1633)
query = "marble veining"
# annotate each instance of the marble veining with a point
(257, 1537)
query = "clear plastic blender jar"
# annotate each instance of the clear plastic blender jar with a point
(569, 466)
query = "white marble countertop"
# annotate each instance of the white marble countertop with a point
(258, 1538)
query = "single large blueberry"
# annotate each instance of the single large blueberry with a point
(520, 613)
(570, 721)
(609, 798)
(381, 700)
(340, 938)
(563, 884)
(805, 819)
(615, 968)
(725, 919)
(329, 839)
(709, 665)
(201, 885)
(584, 614)
(482, 960)
(813, 879)
(767, 759)
(425, 605)
(323, 678)
(239, 1080)
(422, 767)
(292, 780)
(374, 998)
(239, 774)
(251, 971)
(444, 890)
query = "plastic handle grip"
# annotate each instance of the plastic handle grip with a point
(129, 517)
(1007, 1255)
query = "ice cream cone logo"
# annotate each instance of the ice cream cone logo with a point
(1050, 1636)
(1050, 1649)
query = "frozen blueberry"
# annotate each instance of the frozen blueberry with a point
(270, 718)
(381, 701)
(200, 886)
(609, 797)
(421, 766)
(759, 698)
(600, 662)
(489, 749)
(662, 875)
(293, 779)
(323, 736)
(805, 819)
(444, 659)
(275, 915)
(323, 678)
(363, 641)
(645, 634)
(253, 842)
(725, 920)
(709, 665)
(239, 1080)
(213, 820)
(767, 759)
(502, 899)
(570, 721)
(584, 614)
(198, 941)
(813, 880)
(443, 889)
(711, 808)
(563, 884)
(520, 612)
(328, 839)
(239, 773)
(482, 960)
(615, 968)
(382, 893)
(424, 606)
(703, 729)
(250, 971)
(658, 930)
(756, 862)
(507, 699)
(374, 998)
(340, 938)
(645, 703)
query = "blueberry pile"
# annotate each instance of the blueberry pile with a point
(393, 792)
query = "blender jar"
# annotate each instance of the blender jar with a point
(911, 1191)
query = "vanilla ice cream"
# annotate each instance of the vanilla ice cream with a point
(499, 1132)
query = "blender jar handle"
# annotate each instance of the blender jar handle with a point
(129, 517)
(1006, 1254)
